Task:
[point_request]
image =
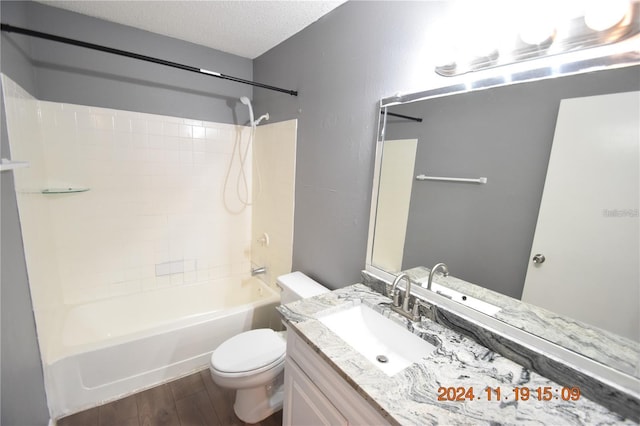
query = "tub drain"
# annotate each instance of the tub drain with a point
(382, 358)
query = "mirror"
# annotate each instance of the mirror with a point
(488, 232)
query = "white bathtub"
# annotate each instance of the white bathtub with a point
(115, 347)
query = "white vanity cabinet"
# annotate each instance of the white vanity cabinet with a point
(314, 394)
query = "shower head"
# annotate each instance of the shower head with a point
(247, 102)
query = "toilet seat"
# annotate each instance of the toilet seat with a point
(247, 353)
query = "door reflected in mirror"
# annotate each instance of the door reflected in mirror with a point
(394, 196)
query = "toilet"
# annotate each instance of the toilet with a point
(252, 362)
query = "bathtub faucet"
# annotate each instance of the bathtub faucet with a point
(258, 271)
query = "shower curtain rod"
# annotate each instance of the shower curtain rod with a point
(419, 120)
(24, 31)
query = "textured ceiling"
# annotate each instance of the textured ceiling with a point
(244, 28)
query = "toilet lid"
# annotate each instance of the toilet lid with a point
(248, 351)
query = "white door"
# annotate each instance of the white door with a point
(587, 226)
(394, 197)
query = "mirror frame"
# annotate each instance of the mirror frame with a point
(619, 55)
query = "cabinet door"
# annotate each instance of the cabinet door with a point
(304, 404)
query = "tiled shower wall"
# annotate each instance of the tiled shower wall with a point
(274, 170)
(156, 213)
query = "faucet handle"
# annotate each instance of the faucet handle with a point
(396, 297)
(416, 307)
(394, 294)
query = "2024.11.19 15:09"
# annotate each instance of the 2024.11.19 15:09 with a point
(545, 393)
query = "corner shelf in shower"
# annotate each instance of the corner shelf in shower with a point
(63, 190)
(6, 164)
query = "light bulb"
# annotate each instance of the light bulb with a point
(537, 22)
(537, 33)
(601, 15)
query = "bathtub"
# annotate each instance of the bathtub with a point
(119, 346)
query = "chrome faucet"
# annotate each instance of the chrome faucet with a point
(395, 296)
(258, 271)
(445, 272)
(404, 310)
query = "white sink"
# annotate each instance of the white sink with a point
(478, 305)
(377, 337)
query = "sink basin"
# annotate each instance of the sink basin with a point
(388, 345)
(478, 305)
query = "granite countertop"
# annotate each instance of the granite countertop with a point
(411, 396)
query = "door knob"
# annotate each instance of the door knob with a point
(538, 259)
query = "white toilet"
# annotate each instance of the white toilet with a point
(253, 362)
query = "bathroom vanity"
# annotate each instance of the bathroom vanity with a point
(460, 381)
(317, 394)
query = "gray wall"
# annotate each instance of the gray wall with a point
(22, 384)
(56, 72)
(484, 232)
(16, 52)
(342, 65)
(23, 399)
(73, 74)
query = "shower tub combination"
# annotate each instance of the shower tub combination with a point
(112, 348)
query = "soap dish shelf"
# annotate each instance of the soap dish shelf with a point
(51, 191)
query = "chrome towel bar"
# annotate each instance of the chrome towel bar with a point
(481, 180)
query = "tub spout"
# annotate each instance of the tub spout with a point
(258, 271)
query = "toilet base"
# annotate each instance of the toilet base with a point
(256, 404)
(258, 395)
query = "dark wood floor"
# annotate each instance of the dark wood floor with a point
(191, 401)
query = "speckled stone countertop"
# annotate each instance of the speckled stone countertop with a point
(410, 397)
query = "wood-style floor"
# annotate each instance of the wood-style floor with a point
(191, 401)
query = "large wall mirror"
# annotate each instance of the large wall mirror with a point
(547, 208)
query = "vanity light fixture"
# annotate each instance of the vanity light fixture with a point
(542, 33)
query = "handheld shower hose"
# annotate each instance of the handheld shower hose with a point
(242, 175)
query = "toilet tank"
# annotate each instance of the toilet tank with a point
(296, 286)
